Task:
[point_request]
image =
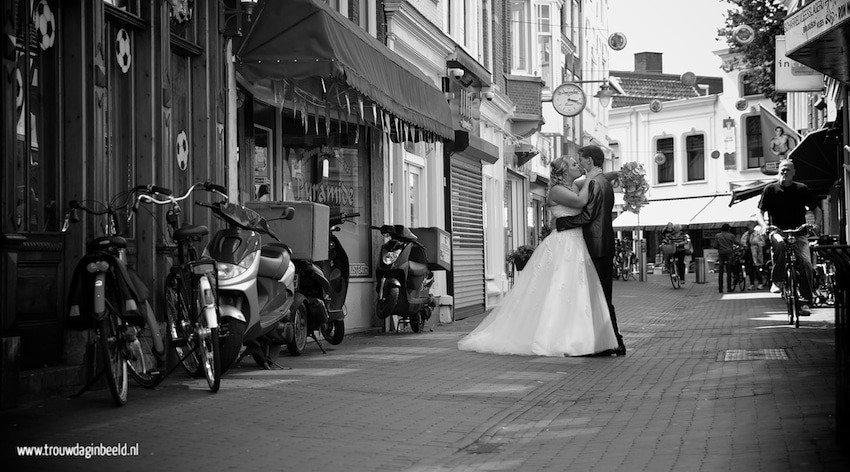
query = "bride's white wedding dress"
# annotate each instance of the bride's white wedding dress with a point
(556, 306)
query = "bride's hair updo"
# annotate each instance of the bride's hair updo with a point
(558, 172)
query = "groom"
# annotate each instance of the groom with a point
(595, 220)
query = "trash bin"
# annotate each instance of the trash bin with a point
(699, 268)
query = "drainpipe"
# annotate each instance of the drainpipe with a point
(230, 141)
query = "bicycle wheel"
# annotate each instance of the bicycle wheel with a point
(209, 353)
(112, 353)
(795, 296)
(788, 293)
(143, 360)
(180, 328)
(625, 272)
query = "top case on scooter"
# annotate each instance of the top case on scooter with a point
(274, 260)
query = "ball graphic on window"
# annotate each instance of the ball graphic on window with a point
(45, 24)
(182, 150)
(660, 158)
(123, 50)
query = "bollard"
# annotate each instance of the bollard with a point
(699, 268)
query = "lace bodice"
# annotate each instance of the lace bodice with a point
(557, 211)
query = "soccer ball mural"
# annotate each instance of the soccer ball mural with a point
(45, 24)
(182, 150)
(123, 50)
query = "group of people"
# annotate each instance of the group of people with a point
(561, 304)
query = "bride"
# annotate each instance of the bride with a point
(556, 307)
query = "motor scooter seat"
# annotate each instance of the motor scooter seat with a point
(274, 260)
(416, 269)
(190, 232)
(103, 242)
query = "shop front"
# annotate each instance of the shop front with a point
(817, 35)
(99, 96)
(329, 107)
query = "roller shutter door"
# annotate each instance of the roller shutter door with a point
(467, 212)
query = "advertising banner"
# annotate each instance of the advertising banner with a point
(791, 76)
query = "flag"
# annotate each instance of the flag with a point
(777, 138)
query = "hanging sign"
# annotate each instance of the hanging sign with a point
(791, 76)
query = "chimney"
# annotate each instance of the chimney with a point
(648, 62)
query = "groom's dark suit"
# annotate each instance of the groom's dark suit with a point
(595, 220)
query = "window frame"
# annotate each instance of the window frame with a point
(671, 159)
(519, 29)
(746, 141)
(687, 155)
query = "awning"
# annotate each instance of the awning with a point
(816, 160)
(657, 213)
(309, 43)
(743, 193)
(718, 212)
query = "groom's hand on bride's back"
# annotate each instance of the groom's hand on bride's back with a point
(563, 223)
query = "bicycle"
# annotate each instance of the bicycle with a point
(673, 270)
(128, 336)
(627, 268)
(791, 290)
(192, 310)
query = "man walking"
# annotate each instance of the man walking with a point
(725, 242)
(595, 221)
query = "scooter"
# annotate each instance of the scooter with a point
(255, 286)
(323, 286)
(404, 280)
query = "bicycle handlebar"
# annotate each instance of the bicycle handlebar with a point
(804, 228)
(208, 186)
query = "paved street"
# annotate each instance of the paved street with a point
(710, 383)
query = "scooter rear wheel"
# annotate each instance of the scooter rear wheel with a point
(415, 321)
(299, 328)
(334, 331)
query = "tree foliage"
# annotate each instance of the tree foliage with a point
(759, 56)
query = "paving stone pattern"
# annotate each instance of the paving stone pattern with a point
(414, 403)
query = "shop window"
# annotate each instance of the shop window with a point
(335, 173)
(520, 36)
(695, 154)
(264, 190)
(755, 153)
(36, 166)
(666, 170)
(129, 6)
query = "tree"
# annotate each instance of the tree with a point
(759, 56)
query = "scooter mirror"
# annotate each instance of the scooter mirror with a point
(288, 214)
(335, 229)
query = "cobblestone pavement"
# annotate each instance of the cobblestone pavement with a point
(711, 382)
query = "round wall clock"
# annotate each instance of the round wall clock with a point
(569, 99)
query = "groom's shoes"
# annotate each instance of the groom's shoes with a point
(620, 351)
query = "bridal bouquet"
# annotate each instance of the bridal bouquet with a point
(633, 180)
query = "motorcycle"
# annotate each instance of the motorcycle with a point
(323, 286)
(255, 286)
(404, 279)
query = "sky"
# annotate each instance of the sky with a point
(684, 31)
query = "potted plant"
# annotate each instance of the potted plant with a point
(519, 256)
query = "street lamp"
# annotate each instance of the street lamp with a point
(604, 94)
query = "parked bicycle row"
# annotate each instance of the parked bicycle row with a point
(242, 294)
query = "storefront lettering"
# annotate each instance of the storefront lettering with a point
(335, 194)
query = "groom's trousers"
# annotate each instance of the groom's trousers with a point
(605, 271)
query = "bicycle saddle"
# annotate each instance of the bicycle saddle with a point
(107, 242)
(191, 231)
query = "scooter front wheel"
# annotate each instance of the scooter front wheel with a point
(387, 304)
(334, 331)
(299, 330)
(230, 332)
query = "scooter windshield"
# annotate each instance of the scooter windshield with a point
(243, 216)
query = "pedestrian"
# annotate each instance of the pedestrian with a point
(725, 243)
(753, 242)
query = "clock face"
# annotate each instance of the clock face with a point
(569, 99)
